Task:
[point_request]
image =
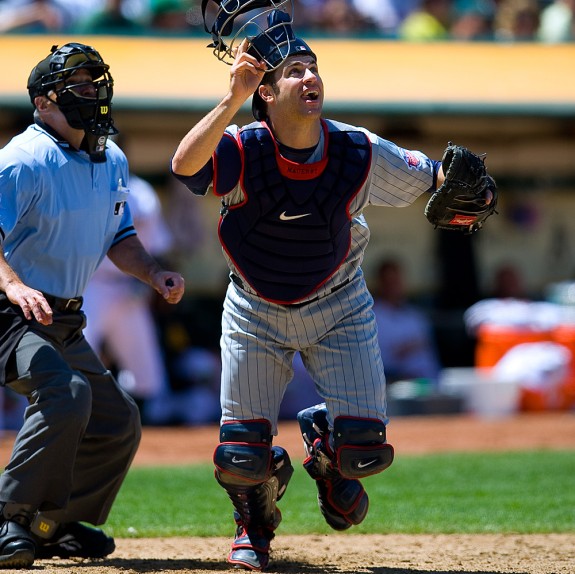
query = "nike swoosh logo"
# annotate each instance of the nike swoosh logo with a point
(285, 217)
(240, 460)
(362, 464)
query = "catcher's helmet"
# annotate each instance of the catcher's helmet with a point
(91, 113)
(221, 23)
(273, 46)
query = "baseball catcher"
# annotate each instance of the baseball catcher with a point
(467, 197)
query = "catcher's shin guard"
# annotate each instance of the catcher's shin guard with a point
(254, 494)
(360, 450)
(342, 502)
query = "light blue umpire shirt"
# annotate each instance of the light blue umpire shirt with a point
(59, 211)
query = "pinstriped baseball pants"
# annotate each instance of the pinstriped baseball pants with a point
(336, 336)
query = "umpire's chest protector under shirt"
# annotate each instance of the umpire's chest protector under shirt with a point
(293, 230)
(59, 211)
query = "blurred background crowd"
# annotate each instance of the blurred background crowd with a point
(411, 20)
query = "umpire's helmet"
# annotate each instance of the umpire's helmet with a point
(89, 113)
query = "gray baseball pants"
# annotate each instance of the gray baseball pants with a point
(80, 430)
(337, 338)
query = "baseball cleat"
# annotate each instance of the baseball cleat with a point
(17, 548)
(248, 559)
(251, 547)
(74, 540)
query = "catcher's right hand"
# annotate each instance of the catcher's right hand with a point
(467, 197)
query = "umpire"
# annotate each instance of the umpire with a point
(64, 188)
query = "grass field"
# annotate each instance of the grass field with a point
(515, 492)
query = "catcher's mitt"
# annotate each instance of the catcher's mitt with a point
(467, 197)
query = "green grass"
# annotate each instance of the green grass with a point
(520, 492)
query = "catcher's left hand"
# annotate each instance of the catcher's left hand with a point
(467, 197)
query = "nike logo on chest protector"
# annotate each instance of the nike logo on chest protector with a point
(285, 217)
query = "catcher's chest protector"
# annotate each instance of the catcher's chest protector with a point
(293, 230)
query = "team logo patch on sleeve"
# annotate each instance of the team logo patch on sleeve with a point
(119, 207)
(411, 159)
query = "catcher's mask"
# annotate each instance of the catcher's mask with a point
(87, 105)
(273, 46)
(230, 14)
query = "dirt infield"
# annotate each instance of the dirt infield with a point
(349, 553)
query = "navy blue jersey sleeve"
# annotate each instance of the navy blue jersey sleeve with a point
(224, 179)
(227, 166)
(199, 182)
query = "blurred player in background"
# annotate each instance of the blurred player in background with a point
(405, 334)
(120, 325)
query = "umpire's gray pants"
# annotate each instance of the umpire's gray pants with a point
(80, 431)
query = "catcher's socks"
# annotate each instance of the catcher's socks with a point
(17, 548)
(75, 540)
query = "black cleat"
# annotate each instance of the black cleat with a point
(17, 548)
(74, 540)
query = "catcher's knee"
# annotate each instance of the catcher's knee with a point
(245, 456)
(360, 447)
(357, 447)
(253, 473)
(313, 423)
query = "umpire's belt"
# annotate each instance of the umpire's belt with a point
(64, 305)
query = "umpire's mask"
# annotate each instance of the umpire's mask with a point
(88, 110)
